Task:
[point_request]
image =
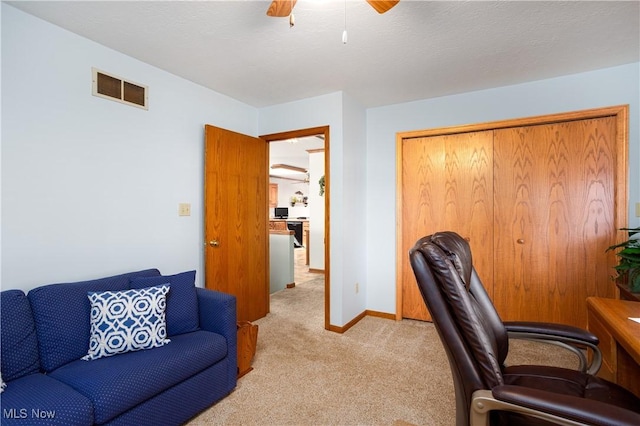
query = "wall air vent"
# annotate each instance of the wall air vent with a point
(117, 89)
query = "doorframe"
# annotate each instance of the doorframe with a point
(621, 209)
(300, 133)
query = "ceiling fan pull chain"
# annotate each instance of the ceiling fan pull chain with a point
(344, 33)
(292, 19)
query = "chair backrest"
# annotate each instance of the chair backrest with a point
(470, 329)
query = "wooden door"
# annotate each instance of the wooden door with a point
(554, 218)
(446, 185)
(236, 228)
(560, 196)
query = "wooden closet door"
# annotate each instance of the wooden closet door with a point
(554, 218)
(446, 186)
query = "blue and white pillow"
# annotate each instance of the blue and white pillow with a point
(128, 320)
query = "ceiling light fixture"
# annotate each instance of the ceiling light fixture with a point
(288, 167)
(305, 180)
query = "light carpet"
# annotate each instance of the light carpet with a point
(379, 372)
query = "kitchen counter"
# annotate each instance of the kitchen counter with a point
(301, 235)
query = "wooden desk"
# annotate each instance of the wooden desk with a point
(619, 339)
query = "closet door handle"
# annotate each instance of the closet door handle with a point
(520, 241)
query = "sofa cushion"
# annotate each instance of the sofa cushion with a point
(62, 312)
(128, 320)
(180, 403)
(182, 301)
(118, 383)
(18, 341)
(37, 399)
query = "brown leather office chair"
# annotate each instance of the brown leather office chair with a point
(477, 343)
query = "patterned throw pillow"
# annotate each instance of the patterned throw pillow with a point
(128, 320)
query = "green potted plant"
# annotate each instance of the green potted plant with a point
(629, 265)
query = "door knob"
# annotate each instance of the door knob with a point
(214, 243)
(520, 241)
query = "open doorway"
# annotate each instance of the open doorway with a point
(296, 167)
(299, 199)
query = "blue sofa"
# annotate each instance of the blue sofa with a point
(45, 334)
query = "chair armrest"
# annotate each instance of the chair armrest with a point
(566, 407)
(571, 338)
(218, 315)
(553, 331)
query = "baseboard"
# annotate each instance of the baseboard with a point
(384, 315)
(347, 326)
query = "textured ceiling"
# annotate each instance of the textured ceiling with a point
(417, 50)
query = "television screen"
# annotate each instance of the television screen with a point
(281, 212)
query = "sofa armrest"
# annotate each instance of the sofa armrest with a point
(218, 315)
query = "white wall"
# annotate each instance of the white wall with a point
(607, 87)
(314, 112)
(281, 262)
(354, 200)
(1, 9)
(91, 187)
(286, 189)
(347, 180)
(316, 212)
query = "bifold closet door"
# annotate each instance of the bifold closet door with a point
(446, 185)
(554, 211)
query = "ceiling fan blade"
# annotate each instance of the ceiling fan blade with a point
(281, 8)
(381, 6)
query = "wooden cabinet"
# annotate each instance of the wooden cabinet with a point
(273, 195)
(305, 232)
(539, 201)
(278, 225)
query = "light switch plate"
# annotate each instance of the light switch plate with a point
(184, 209)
